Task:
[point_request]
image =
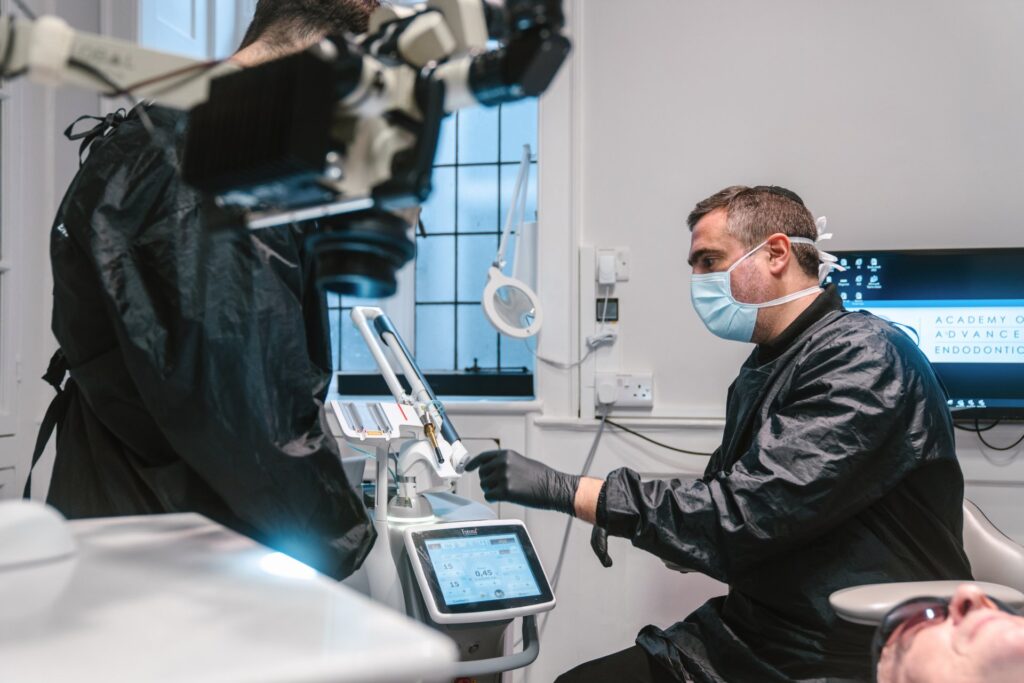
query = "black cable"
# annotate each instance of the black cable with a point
(650, 440)
(25, 9)
(996, 448)
(975, 429)
(188, 74)
(85, 67)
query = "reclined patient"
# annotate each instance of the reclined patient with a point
(971, 638)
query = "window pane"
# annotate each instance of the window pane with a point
(477, 339)
(508, 184)
(446, 142)
(518, 128)
(478, 135)
(476, 252)
(350, 301)
(355, 357)
(516, 354)
(435, 329)
(333, 300)
(334, 320)
(435, 268)
(478, 194)
(439, 209)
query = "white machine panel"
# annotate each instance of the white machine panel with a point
(375, 420)
(472, 572)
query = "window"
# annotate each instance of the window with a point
(474, 173)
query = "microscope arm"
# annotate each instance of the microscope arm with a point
(50, 52)
(364, 115)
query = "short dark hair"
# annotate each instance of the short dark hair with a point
(756, 213)
(282, 22)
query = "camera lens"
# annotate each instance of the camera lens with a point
(358, 254)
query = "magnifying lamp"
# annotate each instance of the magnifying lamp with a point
(509, 303)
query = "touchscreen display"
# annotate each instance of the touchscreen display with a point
(481, 568)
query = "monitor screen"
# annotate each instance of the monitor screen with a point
(474, 568)
(482, 568)
(964, 309)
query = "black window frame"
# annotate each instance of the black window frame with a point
(474, 381)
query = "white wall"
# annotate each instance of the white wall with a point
(899, 121)
(44, 163)
(902, 122)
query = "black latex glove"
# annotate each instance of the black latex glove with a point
(599, 544)
(508, 476)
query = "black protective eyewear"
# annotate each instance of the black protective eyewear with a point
(905, 616)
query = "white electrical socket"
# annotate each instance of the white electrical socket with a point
(624, 390)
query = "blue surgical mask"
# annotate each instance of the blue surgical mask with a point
(723, 315)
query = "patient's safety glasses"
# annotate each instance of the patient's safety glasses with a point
(905, 618)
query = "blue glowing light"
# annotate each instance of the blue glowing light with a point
(280, 564)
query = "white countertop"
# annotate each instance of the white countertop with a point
(180, 598)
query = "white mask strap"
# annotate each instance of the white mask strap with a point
(792, 296)
(741, 259)
(828, 261)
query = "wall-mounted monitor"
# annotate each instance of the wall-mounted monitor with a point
(965, 310)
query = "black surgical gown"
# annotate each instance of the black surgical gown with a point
(837, 469)
(198, 361)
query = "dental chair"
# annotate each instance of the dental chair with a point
(996, 561)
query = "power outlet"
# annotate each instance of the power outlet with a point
(625, 390)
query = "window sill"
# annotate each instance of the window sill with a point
(497, 406)
(463, 405)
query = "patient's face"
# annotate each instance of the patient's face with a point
(977, 643)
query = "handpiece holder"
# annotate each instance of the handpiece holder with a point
(449, 456)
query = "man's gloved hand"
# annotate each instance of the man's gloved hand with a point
(599, 544)
(508, 476)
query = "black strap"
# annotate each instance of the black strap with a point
(106, 124)
(54, 376)
(55, 371)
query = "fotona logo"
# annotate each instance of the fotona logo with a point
(470, 532)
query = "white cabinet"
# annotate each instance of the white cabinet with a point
(175, 26)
